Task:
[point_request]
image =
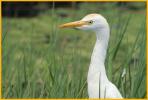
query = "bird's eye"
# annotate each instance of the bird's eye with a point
(90, 22)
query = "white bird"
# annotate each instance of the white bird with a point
(98, 84)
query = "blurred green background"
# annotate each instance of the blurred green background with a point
(39, 60)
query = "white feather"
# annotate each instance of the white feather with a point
(98, 84)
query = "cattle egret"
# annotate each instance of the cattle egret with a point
(98, 84)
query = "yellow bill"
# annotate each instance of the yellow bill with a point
(73, 24)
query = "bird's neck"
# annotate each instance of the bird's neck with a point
(99, 52)
(101, 45)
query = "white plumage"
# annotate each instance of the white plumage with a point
(98, 84)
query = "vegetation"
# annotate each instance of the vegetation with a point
(39, 60)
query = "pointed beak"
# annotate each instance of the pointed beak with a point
(73, 24)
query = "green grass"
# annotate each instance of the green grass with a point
(42, 61)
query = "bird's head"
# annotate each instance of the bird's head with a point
(91, 22)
